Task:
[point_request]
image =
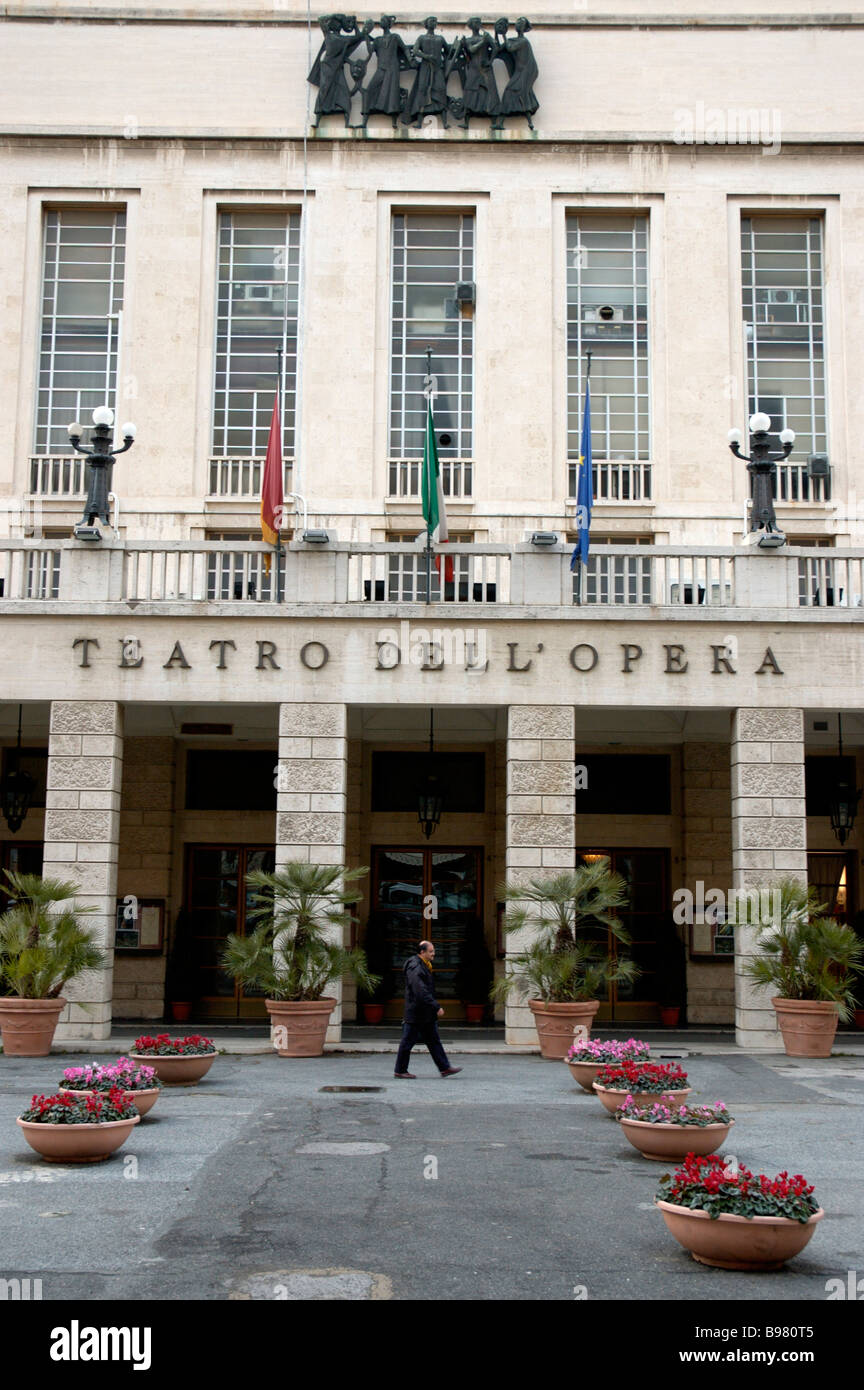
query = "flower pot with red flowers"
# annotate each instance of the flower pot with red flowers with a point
(69, 1128)
(808, 961)
(565, 969)
(732, 1219)
(645, 1082)
(585, 1059)
(140, 1084)
(43, 946)
(666, 1132)
(176, 1061)
(291, 956)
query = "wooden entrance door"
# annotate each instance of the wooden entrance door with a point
(448, 881)
(217, 902)
(648, 919)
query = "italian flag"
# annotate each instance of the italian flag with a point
(434, 513)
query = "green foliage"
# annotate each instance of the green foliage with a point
(42, 942)
(801, 954)
(291, 954)
(567, 961)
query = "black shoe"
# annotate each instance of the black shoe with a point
(405, 1076)
(451, 1071)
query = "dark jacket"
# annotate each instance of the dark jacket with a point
(421, 1006)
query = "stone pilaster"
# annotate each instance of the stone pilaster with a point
(769, 840)
(311, 800)
(541, 831)
(82, 832)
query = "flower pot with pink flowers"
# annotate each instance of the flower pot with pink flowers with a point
(731, 1218)
(69, 1128)
(176, 1061)
(666, 1132)
(645, 1082)
(139, 1083)
(586, 1057)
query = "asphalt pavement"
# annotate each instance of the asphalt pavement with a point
(327, 1178)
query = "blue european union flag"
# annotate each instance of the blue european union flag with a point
(585, 492)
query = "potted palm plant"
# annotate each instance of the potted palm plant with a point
(43, 946)
(290, 955)
(808, 960)
(567, 965)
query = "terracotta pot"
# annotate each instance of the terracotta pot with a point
(808, 1026)
(738, 1242)
(77, 1143)
(28, 1025)
(177, 1071)
(556, 1024)
(299, 1027)
(612, 1099)
(142, 1100)
(181, 1010)
(373, 1013)
(668, 1142)
(585, 1073)
(474, 1013)
(859, 1018)
(670, 1016)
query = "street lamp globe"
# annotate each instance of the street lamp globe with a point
(103, 415)
(760, 423)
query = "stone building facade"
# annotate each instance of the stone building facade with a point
(164, 232)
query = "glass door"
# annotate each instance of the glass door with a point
(422, 894)
(218, 902)
(648, 920)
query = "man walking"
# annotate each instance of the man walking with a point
(421, 1015)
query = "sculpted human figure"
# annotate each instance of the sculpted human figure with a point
(518, 97)
(384, 94)
(472, 55)
(328, 71)
(428, 95)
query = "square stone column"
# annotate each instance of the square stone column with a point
(312, 794)
(769, 841)
(541, 824)
(82, 834)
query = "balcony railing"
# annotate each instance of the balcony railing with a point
(614, 482)
(405, 477)
(58, 475)
(496, 577)
(792, 483)
(239, 479)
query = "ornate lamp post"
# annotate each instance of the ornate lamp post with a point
(17, 788)
(101, 455)
(760, 466)
(843, 806)
(430, 802)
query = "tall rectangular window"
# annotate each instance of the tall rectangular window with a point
(257, 304)
(82, 301)
(607, 314)
(432, 256)
(781, 259)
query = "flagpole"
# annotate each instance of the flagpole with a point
(281, 480)
(582, 465)
(429, 482)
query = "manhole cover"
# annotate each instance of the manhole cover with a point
(351, 1088)
(318, 1285)
(354, 1147)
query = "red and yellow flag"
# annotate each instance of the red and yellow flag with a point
(272, 485)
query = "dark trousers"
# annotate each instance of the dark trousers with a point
(414, 1033)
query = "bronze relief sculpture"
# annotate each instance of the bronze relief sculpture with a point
(432, 62)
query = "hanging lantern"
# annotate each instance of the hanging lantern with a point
(843, 803)
(17, 788)
(430, 802)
